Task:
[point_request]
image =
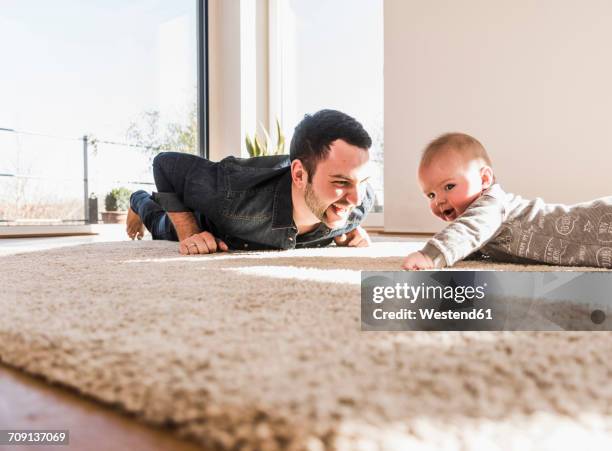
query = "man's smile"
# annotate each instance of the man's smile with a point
(340, 209)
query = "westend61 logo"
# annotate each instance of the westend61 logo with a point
(486, 300)
(411, 293)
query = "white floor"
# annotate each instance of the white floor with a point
(105, 232)
(116, 232)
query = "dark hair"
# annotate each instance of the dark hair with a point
(314, 134)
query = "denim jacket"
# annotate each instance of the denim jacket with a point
(247, 203)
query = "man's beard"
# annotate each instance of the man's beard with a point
(317, 206)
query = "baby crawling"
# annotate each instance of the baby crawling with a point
(456, 175)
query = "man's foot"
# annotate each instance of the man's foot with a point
(134, 226)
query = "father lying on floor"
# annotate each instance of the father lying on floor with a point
(316, 195)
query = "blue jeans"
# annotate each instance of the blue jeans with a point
(170, 171)
(154, 218)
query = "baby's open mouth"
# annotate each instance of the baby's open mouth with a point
(448, 213)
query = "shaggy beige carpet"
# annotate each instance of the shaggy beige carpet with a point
(264, 351)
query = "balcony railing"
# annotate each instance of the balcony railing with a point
(54, 179)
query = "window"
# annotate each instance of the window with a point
(123, 73)
(330, 55)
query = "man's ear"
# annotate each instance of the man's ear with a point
(486, 175)
(299, 176)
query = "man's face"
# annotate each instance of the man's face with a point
(338, 184)
(451, 183)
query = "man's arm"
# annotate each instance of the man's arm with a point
(184, 224)
(171, 171)
(191, 240)
(357, 237)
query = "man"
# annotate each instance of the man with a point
(316, 195)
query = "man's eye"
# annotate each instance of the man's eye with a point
(341, 183)
(431, 195)
(449, 187)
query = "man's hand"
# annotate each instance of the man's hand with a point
(201, 243)
(417, 260)
(191, 240)
(185, 224)
(355, 238)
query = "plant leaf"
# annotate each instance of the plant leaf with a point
(249, 146)
(280, 143)
(259, 146)
(267, 140)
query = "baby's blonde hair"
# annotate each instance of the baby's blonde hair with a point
(467, 146)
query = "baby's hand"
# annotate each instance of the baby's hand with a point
(417, 260)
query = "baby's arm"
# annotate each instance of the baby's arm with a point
(417, 260)
(465, 235)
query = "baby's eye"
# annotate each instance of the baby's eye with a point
(431, 195)
(449, 187)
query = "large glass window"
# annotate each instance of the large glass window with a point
(121, 72)
(332, 57)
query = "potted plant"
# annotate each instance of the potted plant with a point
(116, 203)
(259, 148)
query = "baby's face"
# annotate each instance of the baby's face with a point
(451, 183)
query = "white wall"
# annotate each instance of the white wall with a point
(530, 79)
(224, 78)
(238, 73)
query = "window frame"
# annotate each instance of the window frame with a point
(275, 93)
(202, 77)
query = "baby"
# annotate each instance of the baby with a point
(457, 177)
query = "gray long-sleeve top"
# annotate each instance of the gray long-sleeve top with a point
(508, 228)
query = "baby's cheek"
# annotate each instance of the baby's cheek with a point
(467, 201)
